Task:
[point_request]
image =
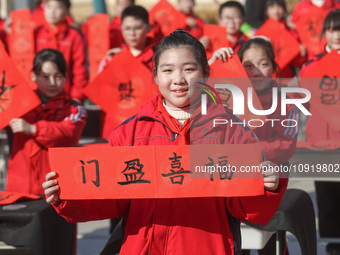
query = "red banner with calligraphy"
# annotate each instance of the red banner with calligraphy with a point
(309, 28)
(98, 40)
(122, 88)
(8, 197)
(217, 36)
(21, 43)
(233, 73)
(323, 82)
(157, 171)
(168, 17)
(16, 96)
(286, 47)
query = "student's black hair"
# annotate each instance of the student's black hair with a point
(66, 2)
(137, 12)
(180, 38)
(279, 2)
(232, 4)
(265, 45)
(52, 55)
(332, 21)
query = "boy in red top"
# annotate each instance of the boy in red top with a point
(231, 16)
(58, 34)
(57, 122)
(276, 9)
(194, 24)
(135, 27)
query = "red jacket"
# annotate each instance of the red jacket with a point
(278, 142)
(177, 226)
(317, 128)
(2, 32)
(71, 43)
(59, 123)
(146, 58)
(304, 6)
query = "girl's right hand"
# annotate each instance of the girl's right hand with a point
(222, 54)
(51, 188)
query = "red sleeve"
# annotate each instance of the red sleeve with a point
(87, 210)
(198, 30)
(62, 133)
(281, 146)
(258, 209)
(79, 73)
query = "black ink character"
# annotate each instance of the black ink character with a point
(177, 171)
(125, 90)
(97, 182)
(133, 172)
(225, 172)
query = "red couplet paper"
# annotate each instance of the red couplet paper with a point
(8, 197)
(323, 82)
(232, 72)
(98, 40)
(122, 88)
(157, 171)
(309, 28)
(217, 36)
(16, 96)
(167, 16)
(286, 47)
(21, 42)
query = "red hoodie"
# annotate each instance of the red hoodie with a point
(71, 43)
(177, 226)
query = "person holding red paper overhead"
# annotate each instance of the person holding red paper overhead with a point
(276, 9)
(231, 16)
(194, 23)
(322, 135)
(177, 226)
(135, 27)
(57, 34)
(57, 122)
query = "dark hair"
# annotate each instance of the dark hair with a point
(279, 2)
(265, 45)
(177, 39)
(137, 12)
(232, 4)
(332, 21)
(66, 2)
(52, 55)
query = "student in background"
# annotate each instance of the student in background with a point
(58, 34)
(276, 9)
(57, 122)
(231, 16)
(194, 24)
(160, 226)
(135, 28)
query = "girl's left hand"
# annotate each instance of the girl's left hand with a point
(222, 54)
(270, 176)
(19, 125)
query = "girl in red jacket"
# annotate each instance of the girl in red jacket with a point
(58, 121)
(322, 135)
(176, 226)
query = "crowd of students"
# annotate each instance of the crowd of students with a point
(60, 70)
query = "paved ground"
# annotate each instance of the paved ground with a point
(92, 236)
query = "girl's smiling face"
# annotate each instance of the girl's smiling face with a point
(175, 69)
(258, 66)
(333, 39)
